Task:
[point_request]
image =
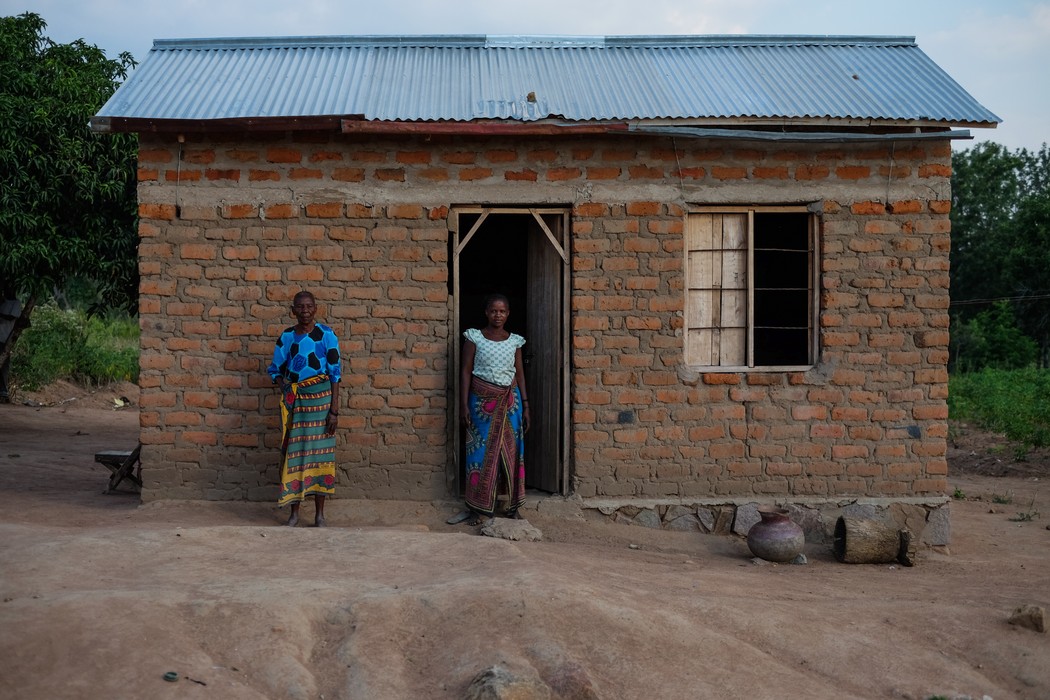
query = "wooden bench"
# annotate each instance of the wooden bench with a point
(123, 464)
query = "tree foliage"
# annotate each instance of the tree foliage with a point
(1001, 249)
(67, 195)
(992, 340)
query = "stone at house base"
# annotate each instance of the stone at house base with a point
(927, 519)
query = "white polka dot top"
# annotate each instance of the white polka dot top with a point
(494, 359)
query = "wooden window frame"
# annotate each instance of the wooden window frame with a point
(813, 279)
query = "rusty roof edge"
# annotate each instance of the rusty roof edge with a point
(795, 136)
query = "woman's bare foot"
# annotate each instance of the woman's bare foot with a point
(319, 521)
(475, 519)
(293, 520)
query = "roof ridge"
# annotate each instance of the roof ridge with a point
(531, 41)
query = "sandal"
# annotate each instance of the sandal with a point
(458, 517)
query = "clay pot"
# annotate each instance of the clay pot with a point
(776, 537)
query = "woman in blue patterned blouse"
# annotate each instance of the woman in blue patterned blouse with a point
(495, 413)
(306, 368)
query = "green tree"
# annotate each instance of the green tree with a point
(1001, 238)
(986, 187)
(992, 339)
(67, 195)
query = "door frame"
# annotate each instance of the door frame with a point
(562, 248)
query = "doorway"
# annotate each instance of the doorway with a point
(521, 253)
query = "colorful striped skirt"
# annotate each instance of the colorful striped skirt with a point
(308, 451)
(495, 446)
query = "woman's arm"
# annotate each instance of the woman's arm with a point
(279, 362)
(332, 422)
(465, 373)
(335, 375)
(519, 378)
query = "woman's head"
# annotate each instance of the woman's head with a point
(493, 298)
(497, 310)
(304, 306)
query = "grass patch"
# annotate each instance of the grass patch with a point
(1015, 403)
(71, 345)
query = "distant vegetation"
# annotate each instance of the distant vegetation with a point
(1015, 403)
(69, 344)
(1000, 288)
(1000, 258)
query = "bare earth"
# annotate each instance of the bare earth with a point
(101, 596)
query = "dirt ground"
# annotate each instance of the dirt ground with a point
(100, 596)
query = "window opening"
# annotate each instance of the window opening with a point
(750, 289)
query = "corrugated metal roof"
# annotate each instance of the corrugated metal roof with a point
(464, 78)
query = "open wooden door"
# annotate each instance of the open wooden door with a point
(533, 273)
(543, 355)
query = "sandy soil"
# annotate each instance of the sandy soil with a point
(101, 596)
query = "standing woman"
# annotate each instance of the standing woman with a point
(306, 368)
(495, 411)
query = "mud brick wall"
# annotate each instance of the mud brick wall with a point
(231, 226)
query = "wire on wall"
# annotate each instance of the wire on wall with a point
(178, 178)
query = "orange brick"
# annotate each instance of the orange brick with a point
(256, 175)
(325, 156)
(720, 172)
(283, 155)
(853, 172)
(324, 210)
(232, 174)
(524, 175)
(935, 170)
(240, 252)
(305, 273)
(779, 172)
(242, 155)
(404, 211)
(643, 208)
(716, 378)
(281, 211)
(390, 174)
(162, 212)
(645, 172)
(868, 208)
(184, 175)
(238, 211)
(348, 174)
(327, 253)
(155, 155)
(811, 172)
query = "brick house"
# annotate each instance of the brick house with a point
(729, 256)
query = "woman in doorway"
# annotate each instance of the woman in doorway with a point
(306, 368)
(494, 410)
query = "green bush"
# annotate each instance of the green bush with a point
(71, 345)
(1013, 402)
(991, 339)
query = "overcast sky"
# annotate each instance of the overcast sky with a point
(998, 50)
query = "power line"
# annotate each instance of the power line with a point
(1032, 297)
